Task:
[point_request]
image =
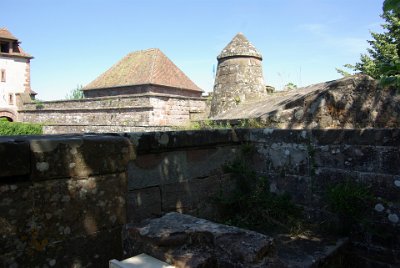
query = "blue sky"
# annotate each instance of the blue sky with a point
(302, 41)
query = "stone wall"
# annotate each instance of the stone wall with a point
(179, 171)
(238, 80)
(64, 198)
(145, 112)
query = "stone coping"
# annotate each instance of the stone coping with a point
(125, 108)
(119, 97)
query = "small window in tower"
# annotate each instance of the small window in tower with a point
(4, 47)
(3, 75)
(11, 99)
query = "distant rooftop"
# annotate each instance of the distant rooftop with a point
(143, 67)
(6, 34)
(239, 46)
(9, 45)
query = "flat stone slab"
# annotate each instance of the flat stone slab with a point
(186, 241)
(309, 251)
(140, 261)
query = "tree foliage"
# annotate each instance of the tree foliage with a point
(75, 94)
(382, 60)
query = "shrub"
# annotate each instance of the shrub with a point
(350, 201)
(252, 205)
(17, 128)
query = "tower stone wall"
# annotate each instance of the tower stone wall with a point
(239, 76)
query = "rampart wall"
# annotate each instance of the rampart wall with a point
(142, 112)
(64, 199)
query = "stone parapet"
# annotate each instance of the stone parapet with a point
(141, 112)
(63, 199)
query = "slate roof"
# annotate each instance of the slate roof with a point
(143, 67)
(6, 34)
(239, 46)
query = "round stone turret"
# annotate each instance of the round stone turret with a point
(239, 76)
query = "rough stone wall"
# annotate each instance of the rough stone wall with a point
(351, 102)
(145, 112)
(238, 79)
(174, 173)
(179, 171)
(62, 200)
(306, 164)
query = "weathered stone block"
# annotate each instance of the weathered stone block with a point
(174, 140)
(284, 158)
(165, 168)
(186, 196)
(351, 157)
(144, 203)
(186, 241)
(16, 215)
(378, 137)
(71, 207)
(79, 156)
(15, 158)
(390, 160)
(272, 135)
(297, 187)
(79, 251)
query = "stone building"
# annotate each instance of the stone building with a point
(15, 86)
(145, 91)
(239, 76)
(142, 72)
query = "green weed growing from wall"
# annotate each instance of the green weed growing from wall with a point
(350, 201)
(252, 205)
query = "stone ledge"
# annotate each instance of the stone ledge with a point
(63, 156)
(186, 241)
(64, 110)
(146, 142)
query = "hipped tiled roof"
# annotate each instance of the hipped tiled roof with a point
(239, 46)
(149, 66)
(6, 34)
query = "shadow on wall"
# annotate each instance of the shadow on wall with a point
(74, 202)
(185, 181)
(351, 102)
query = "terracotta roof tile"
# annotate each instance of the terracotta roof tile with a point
(6, 34)
(149, 66)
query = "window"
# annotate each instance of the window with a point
(3, 75)
(4, 47)
(11, 99)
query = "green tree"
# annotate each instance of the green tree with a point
(75, 94)
(290, 86)
(391, 70)
(382, 59)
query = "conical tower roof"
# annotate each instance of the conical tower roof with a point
(239, 46)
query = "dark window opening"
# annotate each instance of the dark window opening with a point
(3, 75)
(11, 99)
(4, 47)
(15, 48)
